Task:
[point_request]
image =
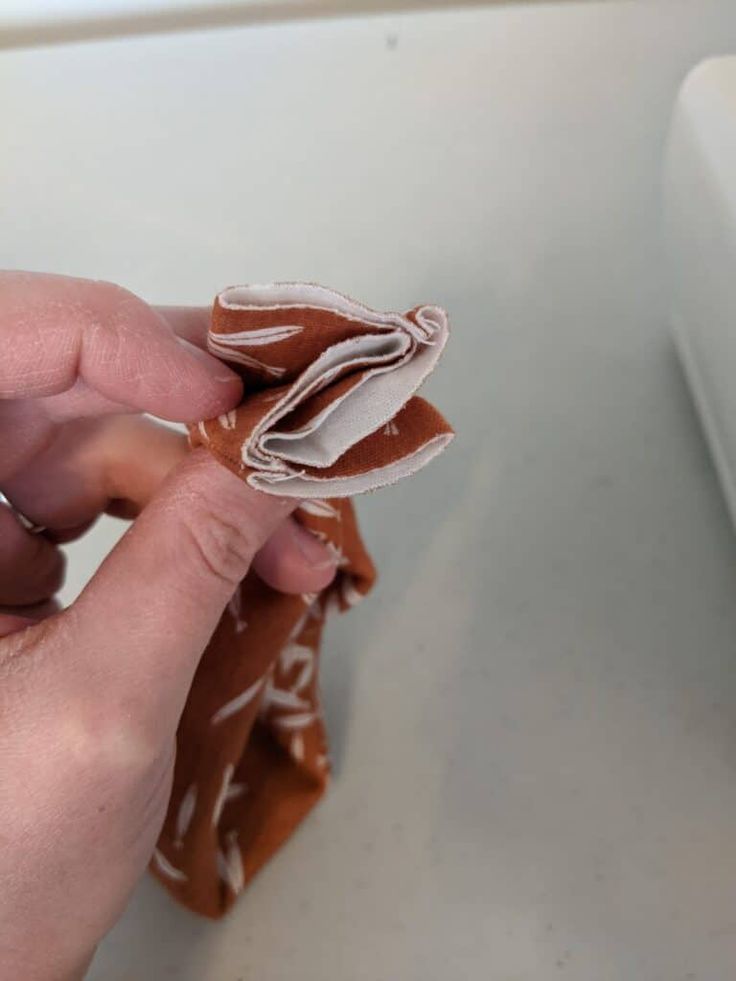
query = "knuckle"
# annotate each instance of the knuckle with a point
(103, 745)
(116, 312)
(220, 544)
(94, 734)
(108, 746)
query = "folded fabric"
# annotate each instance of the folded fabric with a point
(329, 412)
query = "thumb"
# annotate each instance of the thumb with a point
(142, 623)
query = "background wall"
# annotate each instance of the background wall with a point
(523, 140)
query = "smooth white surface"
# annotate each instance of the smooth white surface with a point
(700, 217)
(30, 14)
(534, 718)
(17, 12)
(26, 13)
(29, 22)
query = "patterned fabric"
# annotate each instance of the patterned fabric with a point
(330, 411)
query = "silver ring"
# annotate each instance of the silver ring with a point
(29, 525)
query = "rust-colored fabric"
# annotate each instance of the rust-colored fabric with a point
(329, 411)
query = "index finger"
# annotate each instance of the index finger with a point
(57, 330)
(189, 323)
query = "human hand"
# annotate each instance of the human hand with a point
(90, 697)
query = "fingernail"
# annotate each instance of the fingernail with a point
(314, 552)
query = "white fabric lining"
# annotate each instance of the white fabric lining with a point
(285, 296)
(395, 356)
(360, 412)
(304, 486)
(345, 354)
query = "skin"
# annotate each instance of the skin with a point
(90, 696)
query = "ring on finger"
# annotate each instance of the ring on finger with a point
(29, 525)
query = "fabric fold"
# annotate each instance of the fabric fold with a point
(330, 411)
(334, 414)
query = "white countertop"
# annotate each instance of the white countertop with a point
(551, 653)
